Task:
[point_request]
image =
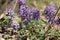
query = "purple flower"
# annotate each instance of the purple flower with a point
(57, 21)
(27, 14)
(30, 14)
(36, 14)
(24, 12)
(9, 12)
(22, 2)
(50, 11)
(15, 24)
(26, 21)
(51, 4)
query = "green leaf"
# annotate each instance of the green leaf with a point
(37, 31)
(42, 32)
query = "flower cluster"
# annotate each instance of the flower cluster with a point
(36, 14)
(15, 24)
(9, 12)
(24, 13)
(27, 13)
(50, 11)
(22, 2)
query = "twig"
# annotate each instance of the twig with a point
(15, 4)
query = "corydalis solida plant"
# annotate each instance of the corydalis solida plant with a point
(9, 12)
(50, 11)
(22, 2)
(24, 13)
(28, 14)
(15, 24)
(36, 14)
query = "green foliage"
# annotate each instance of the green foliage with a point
(9, 38)
(6, 21)
(53, 33)
(34, 30)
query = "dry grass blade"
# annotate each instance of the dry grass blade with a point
(2, 15)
